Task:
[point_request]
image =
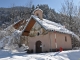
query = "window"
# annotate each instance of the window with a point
(65, 39)
(38, 34)
(37, 14)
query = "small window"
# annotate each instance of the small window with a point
(37, 14)
(38, 34)
(65, 39)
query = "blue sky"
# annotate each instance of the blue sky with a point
(54, 4)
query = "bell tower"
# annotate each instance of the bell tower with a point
(38, 12)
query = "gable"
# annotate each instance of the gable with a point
(37, 30)
(20, 25)
(29, 27)
(33, 28)
(39, 13)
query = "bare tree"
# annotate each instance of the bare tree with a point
(79, 12)
(12, 14)
(70, 10)
(29, 3)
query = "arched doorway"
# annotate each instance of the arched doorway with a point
(38, 47)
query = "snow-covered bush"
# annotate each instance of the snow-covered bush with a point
(9, 37)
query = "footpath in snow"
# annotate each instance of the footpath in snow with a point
(64, 55)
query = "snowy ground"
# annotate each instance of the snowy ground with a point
(64, 55)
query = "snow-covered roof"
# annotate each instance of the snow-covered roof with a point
(52, 26)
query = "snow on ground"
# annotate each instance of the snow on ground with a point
(64, 55)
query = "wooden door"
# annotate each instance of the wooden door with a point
(38, 47)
